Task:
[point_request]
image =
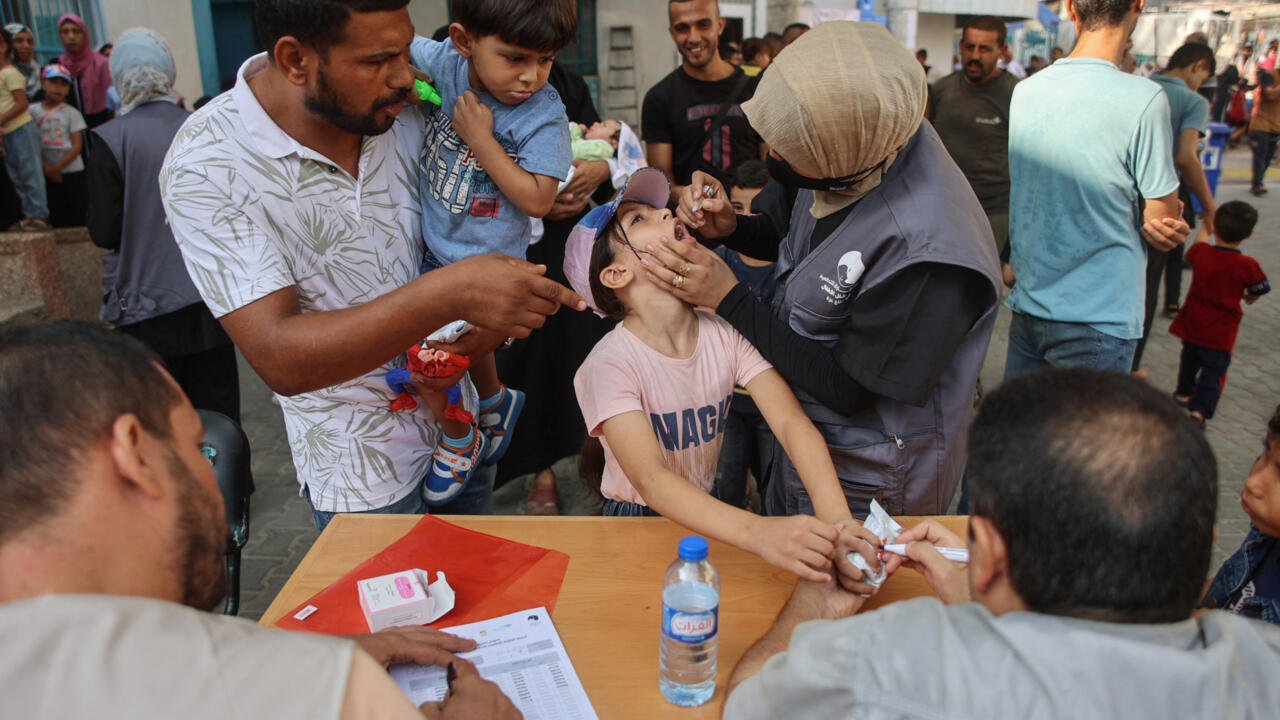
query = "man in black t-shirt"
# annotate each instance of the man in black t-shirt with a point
(679, 112)
(970, 111)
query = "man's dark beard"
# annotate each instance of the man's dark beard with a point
(329, 107)
(202, 540)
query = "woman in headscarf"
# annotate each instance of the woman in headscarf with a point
(90, 70)
(24, 50)
(888, 280)
(146, 290)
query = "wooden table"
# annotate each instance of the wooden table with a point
(610, 606)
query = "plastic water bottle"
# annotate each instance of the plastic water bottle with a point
(690, 624)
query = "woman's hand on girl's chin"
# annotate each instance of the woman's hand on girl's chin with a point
(707, 279)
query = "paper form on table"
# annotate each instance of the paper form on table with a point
(523, 654)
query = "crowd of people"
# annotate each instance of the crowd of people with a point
(769, 317)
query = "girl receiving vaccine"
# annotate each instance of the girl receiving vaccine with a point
(657, 388)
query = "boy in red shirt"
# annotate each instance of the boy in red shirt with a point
(1221, 276)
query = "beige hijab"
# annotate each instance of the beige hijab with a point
(843, 98)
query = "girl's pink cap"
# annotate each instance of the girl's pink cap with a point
(649, 186)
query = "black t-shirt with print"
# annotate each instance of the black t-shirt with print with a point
(679, 110)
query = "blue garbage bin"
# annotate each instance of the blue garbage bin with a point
(1211, 158)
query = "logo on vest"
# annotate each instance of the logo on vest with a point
(848, 271)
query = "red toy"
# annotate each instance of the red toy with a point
(430, 363)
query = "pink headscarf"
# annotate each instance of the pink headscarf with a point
(90, 68)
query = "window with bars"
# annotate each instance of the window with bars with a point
(581, 54)
(42, 17)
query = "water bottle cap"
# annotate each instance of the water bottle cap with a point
(693, 548)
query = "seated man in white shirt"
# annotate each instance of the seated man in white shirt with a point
(111, 538)
(1093, 521)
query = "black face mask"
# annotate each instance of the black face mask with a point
(781, 171)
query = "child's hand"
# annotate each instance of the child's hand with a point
(800, 544)
(472, 119)
(854, 538)
(54, 175)
(413, 98)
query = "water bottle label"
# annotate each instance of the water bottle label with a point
(690, 627)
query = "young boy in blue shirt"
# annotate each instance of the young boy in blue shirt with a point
(1248, 583)
(494, 153)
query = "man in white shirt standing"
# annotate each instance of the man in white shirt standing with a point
(294, 200)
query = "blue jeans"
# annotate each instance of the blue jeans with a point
(22, 160)
(1035, 343)
(619, 508)
(475, 499)
(1202, 372)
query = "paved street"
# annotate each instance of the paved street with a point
(282, 529)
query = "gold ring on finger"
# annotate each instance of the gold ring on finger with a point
(685, 268)
(678, 281)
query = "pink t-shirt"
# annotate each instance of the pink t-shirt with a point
(685, 400)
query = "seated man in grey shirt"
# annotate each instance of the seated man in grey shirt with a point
(1093, 520)
(111, 538)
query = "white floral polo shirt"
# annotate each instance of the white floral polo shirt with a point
(254, 211)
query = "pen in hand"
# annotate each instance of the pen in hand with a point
(450, 674)
(952, 554)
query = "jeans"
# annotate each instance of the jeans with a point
(1264, 151)
(1035, 343)
(475, 499)
(22, 160)
(619, 508)
(747, 446)
(1202, 373)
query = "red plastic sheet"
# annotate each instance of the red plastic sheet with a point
(490, 575)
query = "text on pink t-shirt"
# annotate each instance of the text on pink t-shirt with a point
(686, 400)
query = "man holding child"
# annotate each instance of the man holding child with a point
(294, 199)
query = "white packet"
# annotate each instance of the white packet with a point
(884, 527)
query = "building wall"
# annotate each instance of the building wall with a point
(1004, 8)
(173, 20)
(654, 52)
(427, 15)
(936, 33)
